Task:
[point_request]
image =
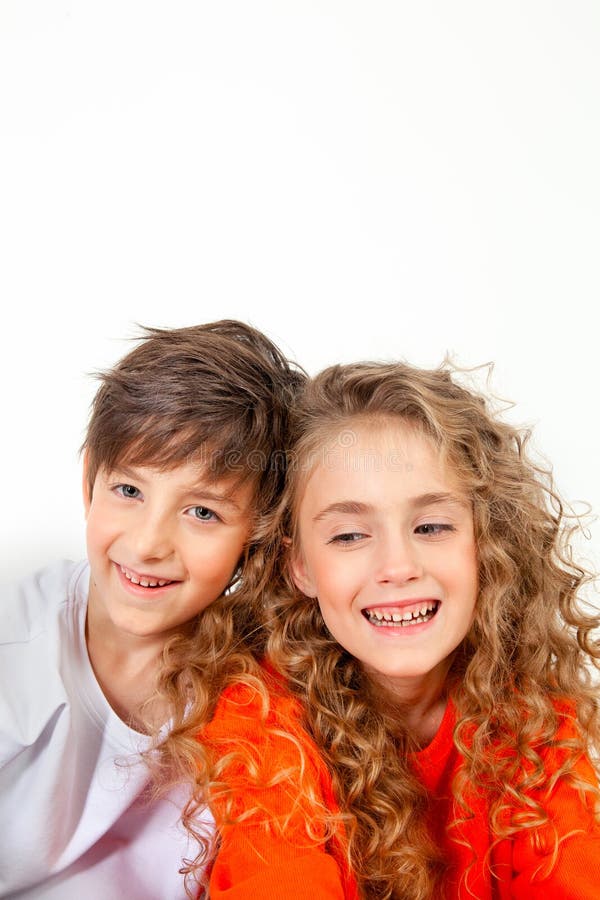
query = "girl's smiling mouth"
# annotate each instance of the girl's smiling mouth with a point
(394, 616)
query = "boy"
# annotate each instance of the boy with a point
(181, 461)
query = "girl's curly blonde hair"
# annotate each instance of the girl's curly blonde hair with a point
(530, 646)
(221, 647)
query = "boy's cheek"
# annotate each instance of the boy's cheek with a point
(96, 534)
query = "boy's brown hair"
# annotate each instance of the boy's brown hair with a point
(217, 394)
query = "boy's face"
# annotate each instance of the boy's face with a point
(162, 545)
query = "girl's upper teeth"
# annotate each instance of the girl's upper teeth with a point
(383, 615)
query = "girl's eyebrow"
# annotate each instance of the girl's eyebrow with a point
(356, 508)
(352, 507)
(433, 498)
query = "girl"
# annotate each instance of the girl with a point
(439, 713)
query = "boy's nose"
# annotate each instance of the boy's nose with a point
(151, 539)
(398, 562)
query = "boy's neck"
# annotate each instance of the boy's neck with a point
(126, 668)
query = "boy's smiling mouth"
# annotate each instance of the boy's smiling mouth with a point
(147, 581)
(416, 613)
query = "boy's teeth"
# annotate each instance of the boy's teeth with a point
(143, 582)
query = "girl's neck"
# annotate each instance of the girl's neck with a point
(420, 701)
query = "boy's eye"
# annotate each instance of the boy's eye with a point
(128, 491)
(203, 513)
(433, 528)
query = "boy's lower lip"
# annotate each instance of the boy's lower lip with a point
(139, 590)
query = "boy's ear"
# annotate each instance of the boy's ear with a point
(87, 494)
(300, 574)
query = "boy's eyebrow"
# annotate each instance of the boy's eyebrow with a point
(207, 494)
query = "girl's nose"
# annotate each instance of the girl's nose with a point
(399, 561)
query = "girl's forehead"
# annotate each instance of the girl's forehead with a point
(361, 452)
(387, 436)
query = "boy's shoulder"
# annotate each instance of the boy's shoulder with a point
(71, 780)
(35, 605)
(42, 651)
(42, 622)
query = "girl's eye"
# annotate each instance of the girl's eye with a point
(128, 491)
(203, 514)
(348, 537)
(433, 528)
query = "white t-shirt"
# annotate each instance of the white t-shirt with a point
(73, 819)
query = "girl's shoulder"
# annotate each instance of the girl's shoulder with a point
(255, 701)
(274, 804)
(561, 858)
(261, 714)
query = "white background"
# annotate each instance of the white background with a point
(359, 179)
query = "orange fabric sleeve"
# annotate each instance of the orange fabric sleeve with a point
(249, 867)
(269, 853)
(574, 872)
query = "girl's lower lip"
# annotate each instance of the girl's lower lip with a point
(139, 590)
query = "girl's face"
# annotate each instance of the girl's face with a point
(386, 544)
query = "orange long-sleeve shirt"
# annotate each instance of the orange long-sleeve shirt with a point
(258, 863)
(523, 867)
